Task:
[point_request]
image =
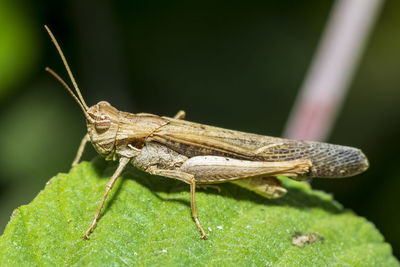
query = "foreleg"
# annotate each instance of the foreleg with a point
(81, 148)
(122, 163)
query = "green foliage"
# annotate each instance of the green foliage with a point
(18, 45)
(147, 221)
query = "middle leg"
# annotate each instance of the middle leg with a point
(189, 179)
(180, 115)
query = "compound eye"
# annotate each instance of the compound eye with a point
(102, 125)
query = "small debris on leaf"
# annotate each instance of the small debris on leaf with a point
(300, 240)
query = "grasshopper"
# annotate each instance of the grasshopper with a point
(200, 154)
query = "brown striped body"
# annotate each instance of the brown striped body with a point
(199, 154)
(194, 139)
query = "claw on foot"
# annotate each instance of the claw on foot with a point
(86, 236)
(87, 233)
(91, 228)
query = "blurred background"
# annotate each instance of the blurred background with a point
(233, 64)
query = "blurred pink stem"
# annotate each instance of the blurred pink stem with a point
(324, 89)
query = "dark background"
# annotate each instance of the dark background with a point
(233, 64)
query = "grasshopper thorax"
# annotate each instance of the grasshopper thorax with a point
(102, 124)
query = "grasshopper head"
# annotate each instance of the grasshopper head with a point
(101, 119)
(102, 123)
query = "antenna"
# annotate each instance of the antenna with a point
(55, 75)
(82, 101)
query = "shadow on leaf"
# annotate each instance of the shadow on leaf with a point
(299, 195)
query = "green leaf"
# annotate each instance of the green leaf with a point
(147, 221)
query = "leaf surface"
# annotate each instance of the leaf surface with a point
(147, 221)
